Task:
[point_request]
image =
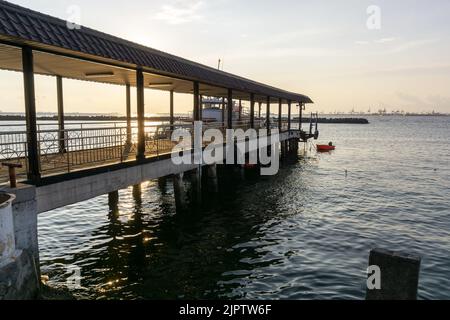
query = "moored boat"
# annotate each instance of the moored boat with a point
(325, 148)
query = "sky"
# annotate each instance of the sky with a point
(348, 54)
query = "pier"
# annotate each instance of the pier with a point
(65, 163)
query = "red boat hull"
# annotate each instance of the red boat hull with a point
(325, 148)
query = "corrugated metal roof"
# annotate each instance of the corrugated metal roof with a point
(22, 24)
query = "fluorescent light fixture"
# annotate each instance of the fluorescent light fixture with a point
(99, 74)
(161, 84)
(201, 91)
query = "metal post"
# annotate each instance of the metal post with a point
(196, 114)
(171, 111)
(33, 173)
(289, 115)
(280, 120)
(140, 114)
(300, 118)
(259, 112)
(240, 110)
(268, 114)
(223, 111)
(201, 106)
(60, 100)
(128, 106)
(252, 110)
(230, 109)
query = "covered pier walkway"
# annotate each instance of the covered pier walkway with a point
(34, 43)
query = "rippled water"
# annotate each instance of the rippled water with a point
(305, 233)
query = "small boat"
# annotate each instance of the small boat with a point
(325, 148)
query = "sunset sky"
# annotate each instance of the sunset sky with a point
(323, 49)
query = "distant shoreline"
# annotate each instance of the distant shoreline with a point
(166, 119)
(337, 119)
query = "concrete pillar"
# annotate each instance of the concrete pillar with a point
(398, 275)
(241, 168)
(113, 202)
(179, 191)
(7, 238)
(196, 180)
(20, 275)
(213, 182)
(137, 195)
(283, 149)
(162, 183)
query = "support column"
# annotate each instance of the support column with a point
(113, 202)
(283, 149)
(230, 109)
(280, 119)
(300, 119)
(179, 191)
(172, 120)
(140, 115)
(60, 100)
(392, 275)
(197, 183)
(268, 114)
(196, 112)
(259, 112)
(223, 111)
(162, 182)
(128, 106)
(201, 106)
(20, 274)
(252, 110)
(212, 177)
(240, 110)
(33, 173)
(289, 115)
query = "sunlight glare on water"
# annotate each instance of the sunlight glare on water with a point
(303, 234)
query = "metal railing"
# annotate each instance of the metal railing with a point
(91, 144)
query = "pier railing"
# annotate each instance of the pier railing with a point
(91, 144)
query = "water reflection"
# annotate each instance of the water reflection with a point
(147, 251)
(305, 233)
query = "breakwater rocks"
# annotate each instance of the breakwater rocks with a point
(338, 120)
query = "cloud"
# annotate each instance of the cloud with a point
(385, 40)
(409, 98)
(180, 11)
(413, 45)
